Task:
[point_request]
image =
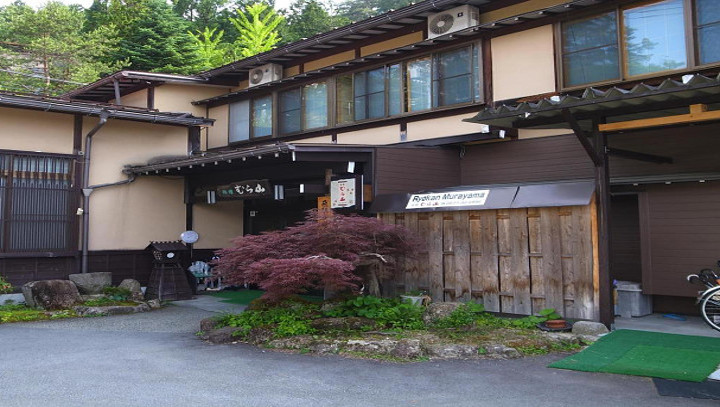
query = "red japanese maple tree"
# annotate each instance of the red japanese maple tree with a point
(320, 252)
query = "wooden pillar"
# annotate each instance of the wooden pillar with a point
(602, 187)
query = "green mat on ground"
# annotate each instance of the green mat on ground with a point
(244, 297)
(651, 354)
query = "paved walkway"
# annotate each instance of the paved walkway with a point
(155, 359)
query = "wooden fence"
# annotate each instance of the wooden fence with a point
(515, 261)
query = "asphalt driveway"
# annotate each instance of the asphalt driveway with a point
(154, 359)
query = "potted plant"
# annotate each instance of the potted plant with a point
(416, 297)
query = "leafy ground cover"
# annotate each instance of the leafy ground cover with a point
(373, 318)
(12, 312)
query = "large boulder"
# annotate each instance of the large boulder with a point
(51, 294)
(134, 287)
(589, 328)
(91, 283)
(439, 310)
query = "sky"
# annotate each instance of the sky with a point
(86, 3)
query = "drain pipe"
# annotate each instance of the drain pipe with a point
(87, 190)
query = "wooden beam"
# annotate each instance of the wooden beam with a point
(634, 155)
(582, 137)
(698, 113)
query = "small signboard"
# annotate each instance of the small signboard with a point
(245, 190)
(475, 197)
(342, 193)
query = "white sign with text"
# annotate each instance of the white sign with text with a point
(448, 199)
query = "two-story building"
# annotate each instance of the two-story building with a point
(562, 144)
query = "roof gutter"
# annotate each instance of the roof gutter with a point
(82, 108)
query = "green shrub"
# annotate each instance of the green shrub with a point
(391, 313)
(465, 315)
(117, 293)
(285, 319)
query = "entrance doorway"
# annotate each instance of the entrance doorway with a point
(625, 249)
(263, 215)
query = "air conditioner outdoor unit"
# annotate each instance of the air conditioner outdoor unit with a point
(264, 74)
(455, 19)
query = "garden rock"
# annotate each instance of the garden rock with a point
(342, 324)
(293, 342)
(111, 310)
(134, 287)
(51, 294)
(222, 335)
(324, 348)
(208, 324)
(382, 346)
(561, 337)
(439, 310)
(154, 304)
(259, 335)
(91, 283)
(589, 328)
(502, 352)
(407, 349)
(451, 351)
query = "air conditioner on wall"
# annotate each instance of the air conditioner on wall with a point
(264, 74)
(455, 19)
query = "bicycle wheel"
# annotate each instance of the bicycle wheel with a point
(710, 308)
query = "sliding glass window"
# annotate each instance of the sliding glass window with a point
(316, 106)
(708, 30)
(590, 50)
(262, 116)
(419, 84)
(453, 77)
(290, 111)
(370, 94)
(303, 108)
(655, 38)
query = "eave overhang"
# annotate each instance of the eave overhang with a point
(57, 105)
(103, 90)
(614, 104)
(251, 156)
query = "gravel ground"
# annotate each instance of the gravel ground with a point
(154, 359)
(179, 316)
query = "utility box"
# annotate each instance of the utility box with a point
(631, 302)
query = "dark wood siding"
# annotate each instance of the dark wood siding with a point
(692, 148)
(625, 261)
(531, 160)
(680, 227)
(402, 170)
(135, 264)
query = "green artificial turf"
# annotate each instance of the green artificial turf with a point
(652, 354)
(244, 297)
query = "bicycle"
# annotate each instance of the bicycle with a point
(709, 299)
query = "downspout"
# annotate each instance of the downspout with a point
(87, 190)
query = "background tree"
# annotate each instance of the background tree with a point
(47, 51)
(257, 29)
(356, 10)
(158, 41)
(306, 18)
(317, 253)
(212, 51)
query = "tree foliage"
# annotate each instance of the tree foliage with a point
(257, 29)
(213, 52)
(319, 252)
(307, 18)
(158, 41)
(48, 51)
(356, 10)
